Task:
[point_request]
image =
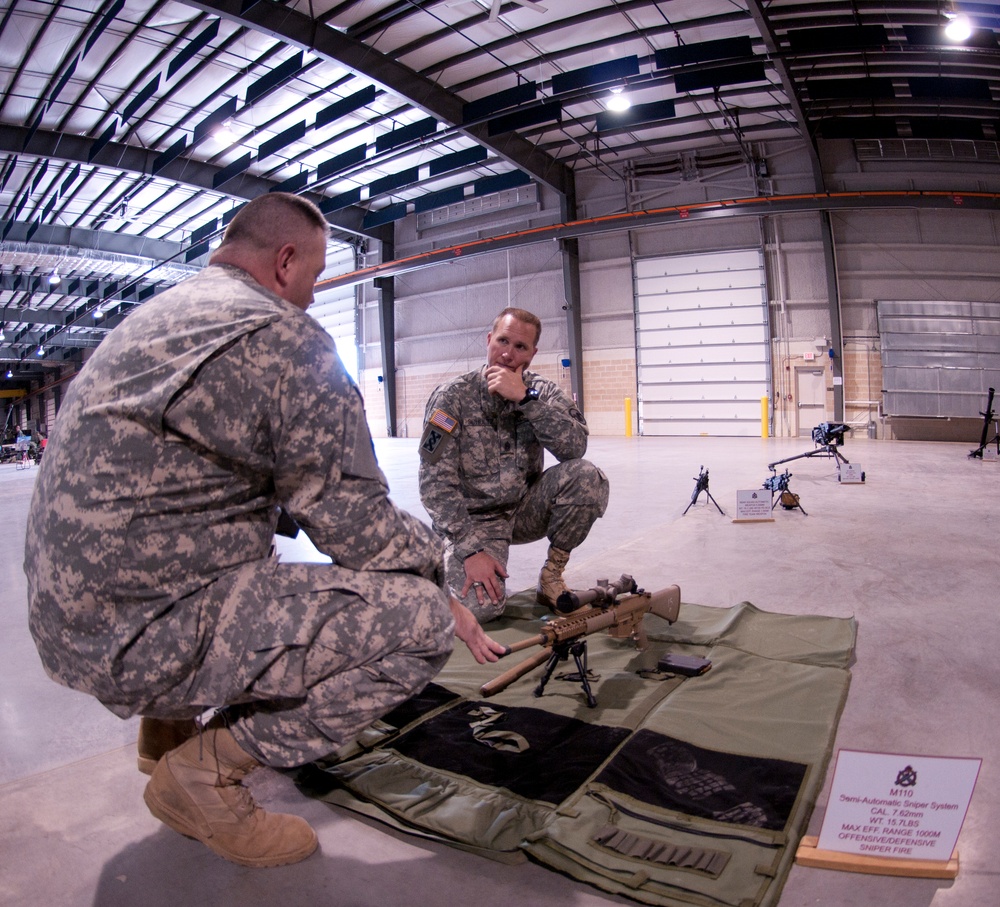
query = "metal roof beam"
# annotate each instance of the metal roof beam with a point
(130, 159)
(763, 23)
(289, 25)
(11, 316)
(33, 339)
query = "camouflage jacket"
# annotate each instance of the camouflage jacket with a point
(480, 452)
(204, 410)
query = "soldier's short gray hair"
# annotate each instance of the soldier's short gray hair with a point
(522, 315)
(273, 219)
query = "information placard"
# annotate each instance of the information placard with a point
(851, 474)
(754, 504)
(896, 806)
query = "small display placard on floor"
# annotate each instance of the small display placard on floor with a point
(894, 815)
(851, 474)
(753, 506)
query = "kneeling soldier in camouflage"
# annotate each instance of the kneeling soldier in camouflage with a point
(147, 555)
(481, 476)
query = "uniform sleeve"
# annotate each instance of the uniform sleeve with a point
(556, 421)
(327, 476)
(441, 489)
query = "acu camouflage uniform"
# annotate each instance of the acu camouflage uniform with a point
(149, 580)
(482, 478)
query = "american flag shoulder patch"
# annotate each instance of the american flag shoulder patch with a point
(442, 420)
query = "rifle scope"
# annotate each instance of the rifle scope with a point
(602, 595)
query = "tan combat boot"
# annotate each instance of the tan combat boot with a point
(196, 790)
(550, 579)
(158, 736)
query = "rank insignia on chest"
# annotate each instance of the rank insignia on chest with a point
(437, 431)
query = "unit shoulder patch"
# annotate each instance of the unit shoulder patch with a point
(437, 432)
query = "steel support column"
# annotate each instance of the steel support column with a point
(571, 289)
(833, 297)
(386, 287)
(574, 332)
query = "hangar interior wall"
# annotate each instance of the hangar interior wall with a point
(928, 256)
(443, 312)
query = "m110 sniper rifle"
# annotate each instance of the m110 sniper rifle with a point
(617, 607)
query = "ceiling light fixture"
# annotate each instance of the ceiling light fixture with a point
(10, 374)
(54, 279)
(527, 4)
(41, 350)
(226, 131)
(959, 28)
(618, 101)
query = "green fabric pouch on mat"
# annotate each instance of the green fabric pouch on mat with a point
(672, 791)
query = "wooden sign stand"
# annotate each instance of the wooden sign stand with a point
(809, 855)
(753, 506)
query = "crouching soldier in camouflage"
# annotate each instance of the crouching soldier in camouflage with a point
(481, 476)
(149, 581)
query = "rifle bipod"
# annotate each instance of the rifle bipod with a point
(561, 652)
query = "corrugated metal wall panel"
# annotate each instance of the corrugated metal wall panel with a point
(938, 358)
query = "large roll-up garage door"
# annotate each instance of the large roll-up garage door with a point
(702, 346)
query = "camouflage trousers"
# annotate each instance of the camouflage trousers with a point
(312, 654)
(562, 505)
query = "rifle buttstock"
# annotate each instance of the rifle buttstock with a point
(666, 603)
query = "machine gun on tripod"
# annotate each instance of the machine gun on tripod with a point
(617, 607)
(988, 417)
(829, 436)
(700, 485)
(788, 499)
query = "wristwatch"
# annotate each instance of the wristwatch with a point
(530, 394)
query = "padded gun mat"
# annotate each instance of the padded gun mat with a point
(672, 790)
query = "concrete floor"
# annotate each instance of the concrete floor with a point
(912, 553)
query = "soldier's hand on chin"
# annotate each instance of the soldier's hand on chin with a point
(505, 383)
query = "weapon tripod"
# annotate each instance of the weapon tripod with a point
(561, 651)
(701, 484)
(788, 499)
(827, 450)
(988, 417)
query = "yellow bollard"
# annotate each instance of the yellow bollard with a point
(763, 416)
(628, 417)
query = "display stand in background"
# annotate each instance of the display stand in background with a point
(851, 474)
(753, 506)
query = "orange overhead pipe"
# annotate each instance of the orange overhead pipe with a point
(761, 205)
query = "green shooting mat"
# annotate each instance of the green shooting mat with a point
(672, 790)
